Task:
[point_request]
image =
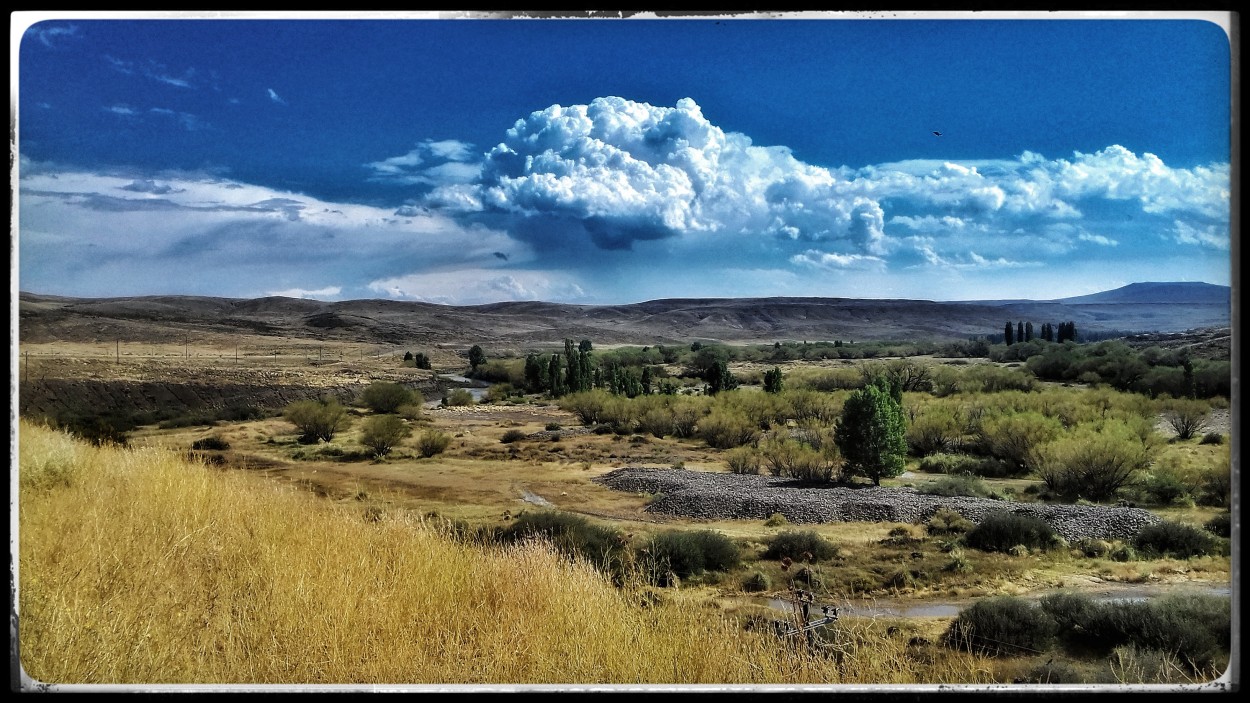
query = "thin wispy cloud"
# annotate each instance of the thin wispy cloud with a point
(275, 97)
(54, 35)
(153, 70)
(327, 293)
(444, 163)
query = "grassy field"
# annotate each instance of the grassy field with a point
(139, 567)
(277, 561)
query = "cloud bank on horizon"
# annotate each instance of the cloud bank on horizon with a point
(617, 200)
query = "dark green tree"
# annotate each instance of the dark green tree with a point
(585, 346)
(535, 374)
(555, 382)
(422, 360)
(646, 380)
(407, 356)
(1009, 334)
(1019, 331)
(773, 380)
(1028, 331)
(872, 434)
(719, 378)
(477, 357)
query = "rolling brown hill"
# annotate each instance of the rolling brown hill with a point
(44, 318)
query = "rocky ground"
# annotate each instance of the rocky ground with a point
(719, 496)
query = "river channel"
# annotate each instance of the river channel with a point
(949, 608)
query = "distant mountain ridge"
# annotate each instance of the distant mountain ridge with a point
(1136, 308)
(1181, 292)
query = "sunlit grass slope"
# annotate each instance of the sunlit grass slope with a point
(139, 567)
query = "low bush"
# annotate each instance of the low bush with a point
(956, 486)
(955, 464)
(946, 521)
(317, 420)
(571, 535)
(797, 544)
(1212, 438)
(727, 429)
(691, 552)
(432, 442)
(1000, 531)
(757, 581)
(743, 460)
(776, 520)
(381, 433)
(512, 436)
(1221, 525)
(1174, 539)
(213, 443)
(458, 397)
(1195, 627)
(1002, 625)
(385, 398)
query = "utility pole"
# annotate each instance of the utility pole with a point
(119, 351)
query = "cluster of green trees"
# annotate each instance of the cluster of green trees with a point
(420, 360)
(1023, 332)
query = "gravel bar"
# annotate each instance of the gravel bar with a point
(720, 496)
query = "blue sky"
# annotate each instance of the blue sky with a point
(476, 160)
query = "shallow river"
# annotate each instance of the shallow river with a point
(938, 608)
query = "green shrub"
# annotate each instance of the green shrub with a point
(1195, 627)
(571, 535)
(1093, 462)
(691, 552)
(317, 420)
(1212, 438)
(432, 442)
(1220, 525)
(1002, 625)
(553, 427)
(946, 521)
(100, 429)
(776, 520)
(385, 398)
(512, 436)
(757, 581)
(789, 457)
(211, 443)
(956, 486)
(798, 544)
(240, 412)
(458, 397)
(1070, 611)
(1174, 539)
(381, 433)
(657, 422)
(743, 460)
(1000, 531)
(726, 429)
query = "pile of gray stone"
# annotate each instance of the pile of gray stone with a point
(706, 495)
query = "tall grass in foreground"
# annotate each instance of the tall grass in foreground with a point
(136, 566)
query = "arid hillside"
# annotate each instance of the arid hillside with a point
(168, 319)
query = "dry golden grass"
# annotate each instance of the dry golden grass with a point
(136, 566)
